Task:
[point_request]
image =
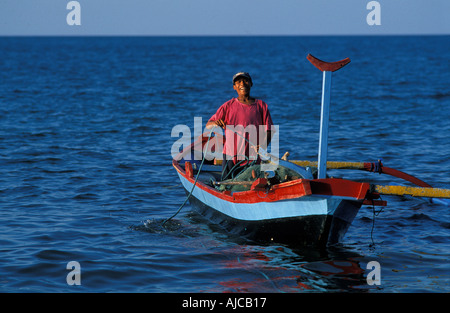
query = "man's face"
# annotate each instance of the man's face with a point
(242, 85)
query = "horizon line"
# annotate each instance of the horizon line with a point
(228, 35)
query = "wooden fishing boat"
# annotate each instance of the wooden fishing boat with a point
(299, 207)
(299, 210)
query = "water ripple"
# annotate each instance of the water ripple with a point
(87, 177)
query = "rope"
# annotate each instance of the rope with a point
(247, 159)
(237, 166)
(200, 168)
(375, 214)
(195, 182)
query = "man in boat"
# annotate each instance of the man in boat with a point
(242, 117)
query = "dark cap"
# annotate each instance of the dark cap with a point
(242, 74)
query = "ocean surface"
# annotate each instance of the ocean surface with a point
(86, 174)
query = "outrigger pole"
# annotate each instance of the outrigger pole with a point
(425, 189)
(327, 68)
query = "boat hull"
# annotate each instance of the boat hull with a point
(303, 221)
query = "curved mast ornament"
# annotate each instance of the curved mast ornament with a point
(327, 68)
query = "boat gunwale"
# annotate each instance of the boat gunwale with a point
(287, 190)
(299, 188)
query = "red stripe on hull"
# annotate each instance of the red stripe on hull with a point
(288, 190)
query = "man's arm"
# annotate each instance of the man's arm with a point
(219, 123)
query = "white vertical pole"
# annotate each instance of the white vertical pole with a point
(324, 118)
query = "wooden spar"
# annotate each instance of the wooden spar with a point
(367, 166)
(332, 164)
(411, 191)
(327, 68)
(402, 175)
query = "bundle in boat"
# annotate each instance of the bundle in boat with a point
(246, 179)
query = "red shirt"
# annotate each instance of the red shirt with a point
(244, 119)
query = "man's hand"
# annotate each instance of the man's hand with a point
(219, 123)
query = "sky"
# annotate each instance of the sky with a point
(224, 17)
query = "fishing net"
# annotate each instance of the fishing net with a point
(280, 175)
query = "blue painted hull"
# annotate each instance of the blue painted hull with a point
(306, 220)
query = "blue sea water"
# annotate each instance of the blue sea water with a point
(86, 173)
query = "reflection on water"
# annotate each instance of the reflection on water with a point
(250, 267)
(282, 269)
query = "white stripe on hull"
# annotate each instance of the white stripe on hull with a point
(302, 206)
